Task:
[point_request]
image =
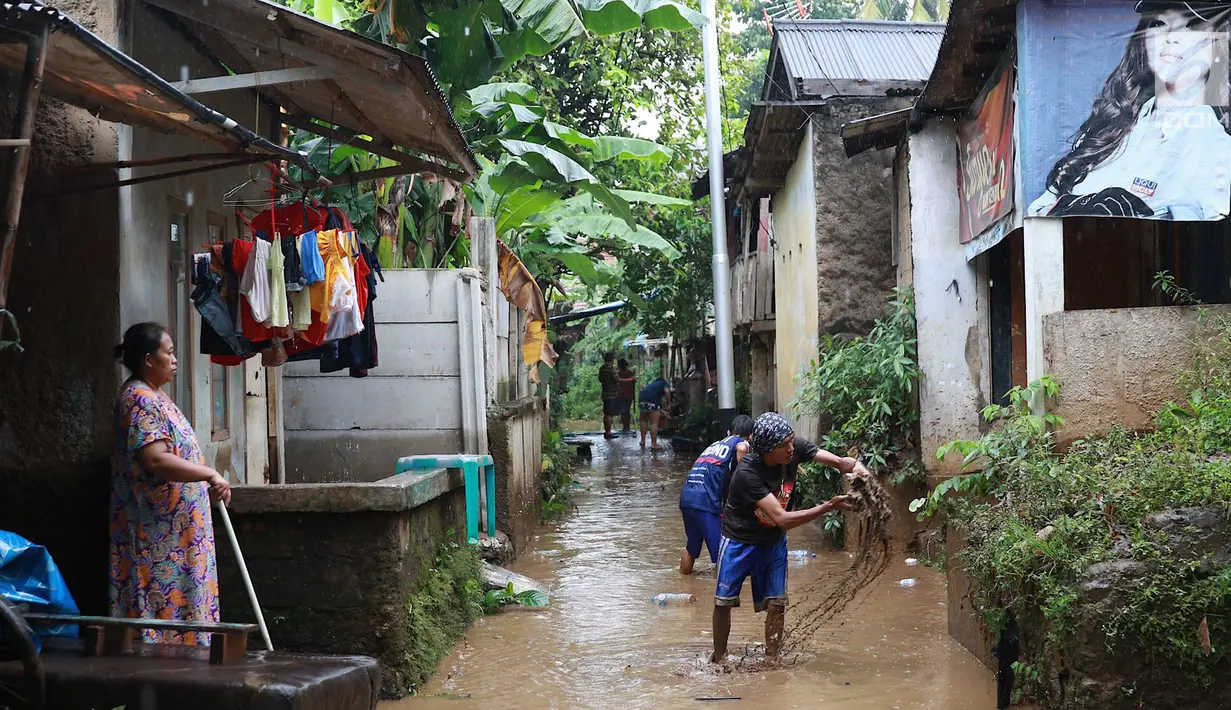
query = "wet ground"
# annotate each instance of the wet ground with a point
(602, 644)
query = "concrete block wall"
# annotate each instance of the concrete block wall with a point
(334, 565)
(515, 435)
(1116, 366)
(343, 429)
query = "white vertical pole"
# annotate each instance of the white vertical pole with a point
(718, 206)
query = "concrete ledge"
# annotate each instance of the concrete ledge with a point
(506, 410)
(394, 494)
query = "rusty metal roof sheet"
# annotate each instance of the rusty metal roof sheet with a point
(977, 35)
(374, 89)
(83, 70)
(875, 132)
(826, 58)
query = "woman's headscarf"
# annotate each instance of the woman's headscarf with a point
(769, 431)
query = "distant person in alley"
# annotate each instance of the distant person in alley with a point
(610, 384)
(628, 388)
(653, 396)
(754, 524)
(706, 490)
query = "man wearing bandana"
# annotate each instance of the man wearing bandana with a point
(754, 524)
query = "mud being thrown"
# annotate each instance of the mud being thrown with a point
(821, 603)
(602, 643)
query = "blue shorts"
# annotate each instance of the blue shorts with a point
(765, 563)
(702, 526)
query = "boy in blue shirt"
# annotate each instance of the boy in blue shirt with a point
(705, 492)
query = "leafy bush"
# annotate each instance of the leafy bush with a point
(1036, 521)
(556, 483)
(865, 391)
(494, 600)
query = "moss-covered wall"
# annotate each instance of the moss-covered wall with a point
(335, 567)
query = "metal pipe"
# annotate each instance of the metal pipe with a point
(15, 175)
(718, 206)
(243, 573)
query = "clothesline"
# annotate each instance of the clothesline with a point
(301, 288)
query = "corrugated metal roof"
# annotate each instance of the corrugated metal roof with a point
(858, 50)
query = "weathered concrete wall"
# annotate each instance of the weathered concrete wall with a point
(854, 221)
(950, 301)
(966, 626)
(762, 386)
(902, 206)
(1043, 253)
(334, 565)
(1116, 366)
(153, 268)
(339, 428)
(795, 263)
(515, 438)
(56, 398)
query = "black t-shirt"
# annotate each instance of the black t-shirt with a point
(752, 481)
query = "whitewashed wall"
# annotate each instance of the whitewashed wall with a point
(428, 391)
(339, 428)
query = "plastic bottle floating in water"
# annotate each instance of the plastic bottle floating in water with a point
(672, 599)
(908, 582)
(800, 554)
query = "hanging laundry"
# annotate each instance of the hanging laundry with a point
(301, 310)
(241, 257)
(218, 333)
(293, 263)
(358, 353)
(343, 300)
(310, 257)
(290, 298)
(279, 315)
(294, 218)
(274, 355)
(254, 286)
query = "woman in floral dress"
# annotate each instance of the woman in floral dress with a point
(162, 538)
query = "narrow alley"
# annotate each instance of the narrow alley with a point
(601, 643)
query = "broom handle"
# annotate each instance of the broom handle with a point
(243, 572)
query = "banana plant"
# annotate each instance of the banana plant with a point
(470, 42)
(914, 10)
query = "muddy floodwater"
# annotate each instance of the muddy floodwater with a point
(602, 644)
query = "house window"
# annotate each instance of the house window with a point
(178, 314)
(219, 381)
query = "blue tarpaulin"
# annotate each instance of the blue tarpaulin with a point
(29, 576)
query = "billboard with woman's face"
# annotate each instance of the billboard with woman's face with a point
(1124, 109)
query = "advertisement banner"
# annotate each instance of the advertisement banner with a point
(1124, 109)
(985, 157)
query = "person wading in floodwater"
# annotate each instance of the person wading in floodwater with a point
(754, 525)
(706, 490)
(652, 397)
(610, 384)
(628, 390)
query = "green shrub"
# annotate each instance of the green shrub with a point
(865, 391)
(556, 482)
(1035, 521)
